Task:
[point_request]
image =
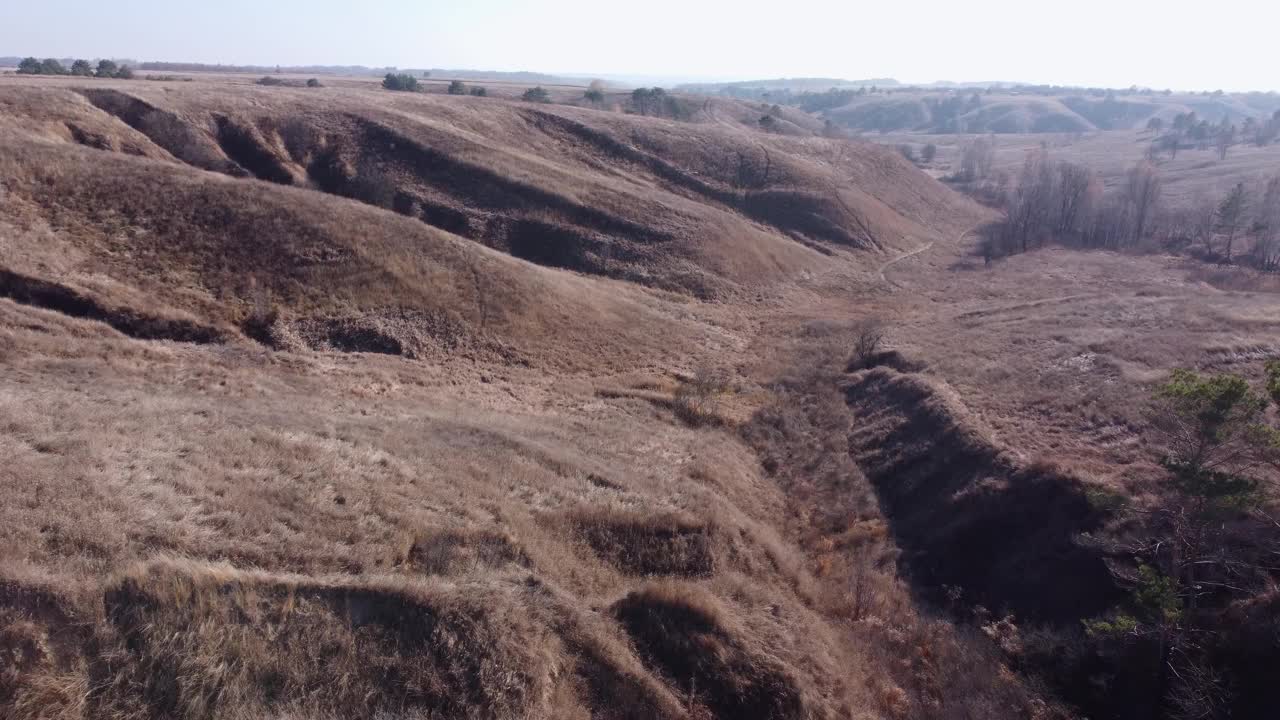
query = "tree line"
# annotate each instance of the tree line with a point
(1063, 202)
(79, 68)
(1188, 130)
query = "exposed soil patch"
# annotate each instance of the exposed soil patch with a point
(88, 138)
(244, 144)
(646, 545)
(182, 139)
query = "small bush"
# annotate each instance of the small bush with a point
(314, 83)
(271, 81)
(457, 87)
(696, 399)
(479, 92)
(868, 336)
(400, 82)
(536, 94)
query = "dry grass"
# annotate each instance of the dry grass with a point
(406, 439)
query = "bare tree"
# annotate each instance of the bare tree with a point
(1078, 192)
(1142, 191)
(868, 335)
(1267, 248)
(1031, 205)
(1224, 139)
(976, 159)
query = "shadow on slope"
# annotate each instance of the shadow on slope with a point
(968, 515)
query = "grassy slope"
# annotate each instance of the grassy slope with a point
(507, 521)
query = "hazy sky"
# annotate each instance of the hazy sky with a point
(1171, 43)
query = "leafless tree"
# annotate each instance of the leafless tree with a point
(1142, 192)
(1031, 204)
(1078, 191)
(1267, 248)
(1224, 139)
(868, 335)
(976, 159)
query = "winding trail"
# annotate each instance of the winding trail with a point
(902, 257)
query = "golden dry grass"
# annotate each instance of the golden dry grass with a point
(416, 476)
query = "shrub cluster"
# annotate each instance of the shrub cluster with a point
(401, 82)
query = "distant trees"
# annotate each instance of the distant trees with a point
(1065, 202)
(457, 87)
(1268, 131)
(595, 93)
(401, 82)
(536, 94)
(907, 152)
(928, 153)
(1224, 138)
(976, 159)
(479, 92)
(79, 68)
(48, 66)
(648, 100)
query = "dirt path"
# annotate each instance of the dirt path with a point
(913, 253)
(902, 257)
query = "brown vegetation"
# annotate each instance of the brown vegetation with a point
(357, 403)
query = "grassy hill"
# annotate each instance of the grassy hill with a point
(342, 402)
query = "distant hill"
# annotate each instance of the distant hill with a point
(1017, 109)
(789, 84)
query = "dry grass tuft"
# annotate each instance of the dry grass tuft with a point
(647, 543)
(200, 641)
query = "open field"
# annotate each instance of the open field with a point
(337, 402)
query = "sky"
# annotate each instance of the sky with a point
(1114, 43)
